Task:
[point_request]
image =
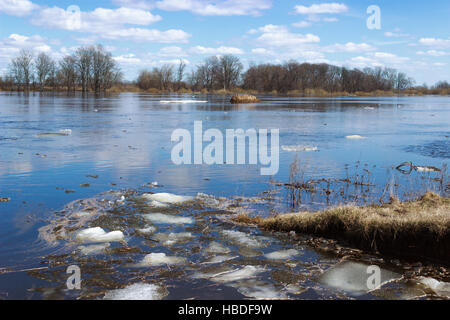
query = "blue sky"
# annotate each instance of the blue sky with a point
(414, 35)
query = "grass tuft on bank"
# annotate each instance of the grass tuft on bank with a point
(414, 229)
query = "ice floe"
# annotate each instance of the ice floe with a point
(282, 255)
(137, 291)
(93, 249)
(246, 272)
(438, 287)
(299, 148)
(219, 259)
(169, 239)
(217, 248)
(147, 230)
(355, 137)
(160, 259)
(93, 235)
(242, 239)
(259, 290)
(353, 277)
(182, 101)
(165, 199)
(160, 218)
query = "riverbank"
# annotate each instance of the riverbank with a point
(317, 93)
(415, 229)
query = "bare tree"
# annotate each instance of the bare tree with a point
(45, 68)
(68, 72)
(166, 73)
(83, 65)
(21, 69)
(180, 73)
(230, 69)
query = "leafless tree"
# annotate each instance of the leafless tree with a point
(21, 69)
(67, 74)
(45, 69)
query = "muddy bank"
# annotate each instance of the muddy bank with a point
(416, 229)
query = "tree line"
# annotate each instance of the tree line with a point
(90, 68)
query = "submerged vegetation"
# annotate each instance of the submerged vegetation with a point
(418, 228)
(94, 69)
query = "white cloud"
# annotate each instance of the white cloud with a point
(435, 42)
(172, 52)
(280, 36)
(216, 51)
(390, 34)
(324, 8)
(432, 53)
(127, 59)
(17, 8)
(349, 47)
(379, 59)
(109, 24)
(205, 7)
(302, 24)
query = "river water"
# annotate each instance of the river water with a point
(68, 163)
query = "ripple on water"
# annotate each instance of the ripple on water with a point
(435, 149)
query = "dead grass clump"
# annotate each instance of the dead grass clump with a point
(415, 229)
(246, 98)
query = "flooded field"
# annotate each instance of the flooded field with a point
(89, 182)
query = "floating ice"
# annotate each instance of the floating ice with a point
(355, 137)
(259, 290)
(242, 239)
(148, 230)
(94, 249)
(299, 148)
(182, 101)
(426, 169)
(66, 131)
(160, 259)
(282, 255)
(167, 198)
(94, 235)
(160, 218)
(169, 239)
(219, 259)
(138, 291)
(51, 134)
(247, 272)
(217, 248)
(438, 287)
(354, 277)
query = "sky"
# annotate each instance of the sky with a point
(412, 36)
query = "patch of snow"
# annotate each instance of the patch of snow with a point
(242, 239)
(137, 291)
(355, 137)
(217, 248)
(167, 198)
(246, 272)
(169, 239)
(282, 255)
(160, 218)
(160, 259)
(148, 230)
(438, 287)
(93, 235)
(299, 148)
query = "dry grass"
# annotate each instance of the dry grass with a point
(246, 98)
(419, 228)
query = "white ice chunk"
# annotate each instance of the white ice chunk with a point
(160, 259)
(438, 287)
(354, 277)
(219, 259)
(299, 148)
(217, 248)
(138, 291)
(93, 249)
(169, 239)
(247, 272)
(66, 131)
(282, 255)
(242, 239)
(94, 235)
(355, 137)
(182, 101)
(167, 198)
(160, 218)
(148, 230)
(259, 290)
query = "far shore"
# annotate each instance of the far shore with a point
(416, 229)
(313, 93)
